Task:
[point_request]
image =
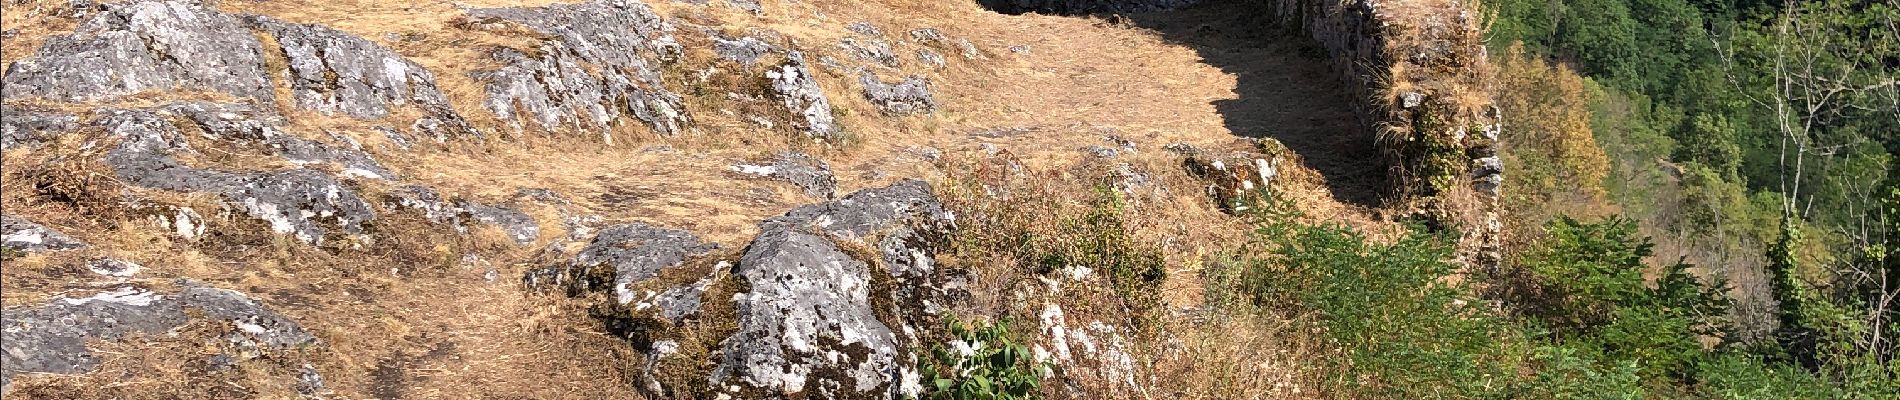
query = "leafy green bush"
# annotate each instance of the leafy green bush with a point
(1408, 331)
(981, 361)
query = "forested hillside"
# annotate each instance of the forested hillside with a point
(1753, 142)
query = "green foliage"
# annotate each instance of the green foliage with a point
(1564, 374)
(1710, 140)
(1607, 308)
(1099, 240)
(981, 361)
(1410, 332)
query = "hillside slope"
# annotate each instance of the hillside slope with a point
(615, 199)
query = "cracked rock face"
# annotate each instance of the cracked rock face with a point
(52, 338)
(798, 90)
(802, 170)
(336, 72)
(600, 65)
(149, 45)
(911, 96)
(23, 235)
(808, 326)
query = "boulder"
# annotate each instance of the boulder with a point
(18, 234)
(631, 254)
(144, 45)
(599, 65)
(52, 338)
(808, 326)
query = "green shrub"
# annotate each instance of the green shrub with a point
(1408, 331)
(982, 361)
(1099, 240)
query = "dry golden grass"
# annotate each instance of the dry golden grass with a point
(408, 317)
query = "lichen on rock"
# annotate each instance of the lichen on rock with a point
(600, 64)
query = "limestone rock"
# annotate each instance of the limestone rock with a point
(243, 125)
(798, 90)
(299, 201)
(336, 72)
(22, 126)
(631, 254)
(929, 36)
(745, 50)
(1232, 178)
(802, 170)
(871, 49)
(930, 57)
(911, 96)
(864, 28)
(22, 235)
(144, 45)
(808, 327)
(518, 225)
(52, 338)
(599, 66)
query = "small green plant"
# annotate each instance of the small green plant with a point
(1099, 239)
(981, 361)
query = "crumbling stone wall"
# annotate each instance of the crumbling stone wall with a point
(1422, 78)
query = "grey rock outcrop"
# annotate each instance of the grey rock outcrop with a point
(911, 96)
(802, 170)
(745, 50)
(808, 326)
(600, 65)
(871, 49)
(623, 256)
(798, 90)
(519, 226)
(22, 235)
(23, 126)
(52, 338)
(864, 28)
(930, 57)
(336, 72)
(299, 201)
(245, 126)
(144, 45)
